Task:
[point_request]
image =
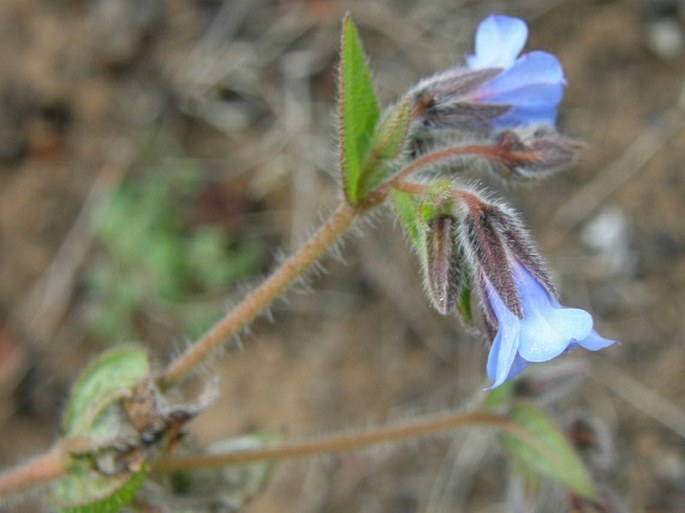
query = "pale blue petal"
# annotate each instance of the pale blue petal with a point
(522, 117)
(517, 367)
(503, 352)
(533, 86)
(499, 40)
(595, 342)
(546, 329)
(518, 117)
(529, 287)
(546, 333)
(532, 97)
(504, 348)
(529, 69)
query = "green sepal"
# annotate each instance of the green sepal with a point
(391, 135)
(464, 299)
(408, 210)
(438, 201)
(389, 140)
(358, 110)
(546, 451)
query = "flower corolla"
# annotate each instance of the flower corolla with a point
(545, 330)
(532, 84)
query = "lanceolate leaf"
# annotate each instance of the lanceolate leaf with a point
(358, 110)
(547, 451)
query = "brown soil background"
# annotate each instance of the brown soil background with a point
(246, 89)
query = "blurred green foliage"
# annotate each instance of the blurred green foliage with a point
(157, 258)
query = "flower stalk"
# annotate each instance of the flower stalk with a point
(46, 467)
(42, 469)
(257, 301)
(346, 442)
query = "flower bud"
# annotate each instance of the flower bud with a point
(443, 265)
(442, 101)
(519, 155)
(496, 89)
(517, 295)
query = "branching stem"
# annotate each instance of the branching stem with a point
(427, 161)
(236, 319)
(53, 463)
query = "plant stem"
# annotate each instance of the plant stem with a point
(259, 299)
(50, 465)
(297, 264)
(46, 467)
(339, 443)
(413, 188)
(432, 159)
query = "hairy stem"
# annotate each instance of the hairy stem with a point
(413, 188)
(259, 299)
(429, 160)
(46, 467)
(297, 264)
(339, 443)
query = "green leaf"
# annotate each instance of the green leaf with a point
(438, 200)
(244, 481)
(200, 489)
(408, 210)
(358, 110)
(499, 397)
(103, 495)
(94, 411)
(105, 381)
(546, 450)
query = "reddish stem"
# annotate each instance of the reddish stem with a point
(46, 467)
(346, 442)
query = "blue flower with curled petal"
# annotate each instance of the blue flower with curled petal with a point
(532, 84)
(544, 331)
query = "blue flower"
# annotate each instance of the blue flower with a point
(545, 330)
(532, 84)
(519, 304)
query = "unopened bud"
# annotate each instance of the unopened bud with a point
(444, 101)
(521, 156)
(443, 266)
